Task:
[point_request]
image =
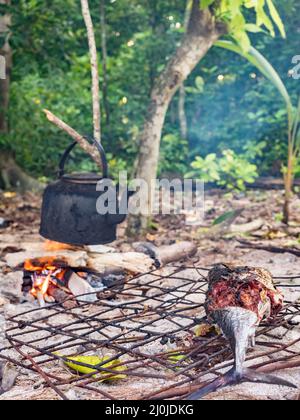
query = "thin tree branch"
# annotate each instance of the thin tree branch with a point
(84, 144)
(104, 60)
(94, 68)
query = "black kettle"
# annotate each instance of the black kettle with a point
(69, 212)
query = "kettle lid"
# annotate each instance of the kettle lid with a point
(82, 178)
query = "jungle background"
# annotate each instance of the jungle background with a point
(226, 102)
(233, 124)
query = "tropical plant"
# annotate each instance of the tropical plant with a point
(232, 12)
(206, 24)
(230, 170)
(293, 116)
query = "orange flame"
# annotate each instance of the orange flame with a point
(44, 268)
(43, 263)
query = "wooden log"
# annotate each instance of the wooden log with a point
(247, 227)
(70, 258)
(68, 301)
(177, 252)
(147, 259)
(268, 248)
(134, 262)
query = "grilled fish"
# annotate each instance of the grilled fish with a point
(238, 299)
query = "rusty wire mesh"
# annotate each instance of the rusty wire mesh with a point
(147, 330)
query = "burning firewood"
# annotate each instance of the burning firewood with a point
(69, 258)
(49, 280)
(238, 299)
(61, 296)
(44, 272)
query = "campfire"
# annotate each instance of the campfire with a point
(69, 276)
(49, 280)
(42, 275)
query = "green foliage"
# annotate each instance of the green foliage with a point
(254, 150)
(38, 145)
(234, 13)
(230, 170)
(293, 114)
(208, 168)
(174, 155)
(51, 70)
(263, 65)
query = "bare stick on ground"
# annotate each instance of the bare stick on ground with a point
(269, 248)
(94, 67)
(84, 144)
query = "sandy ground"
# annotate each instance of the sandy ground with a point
(214, 246)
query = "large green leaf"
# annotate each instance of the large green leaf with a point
(264, 66)
(228, 217)
(296, 128)
(234, 7)
(276, 18)
(262, 18)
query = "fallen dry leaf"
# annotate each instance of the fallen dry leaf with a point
(9, 194)
(203, 330)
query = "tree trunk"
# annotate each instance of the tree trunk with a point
(181, 101)
(104, 61)
(12, 177)
(289, 176)
(288, 182)
(200, 36)
(5, 51)
(182, 114)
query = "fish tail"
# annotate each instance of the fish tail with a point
(234, 377)
(229, 378)
(251, 375)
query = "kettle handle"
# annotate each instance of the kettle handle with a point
(67, 152)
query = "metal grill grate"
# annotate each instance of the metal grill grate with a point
(147, 329)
